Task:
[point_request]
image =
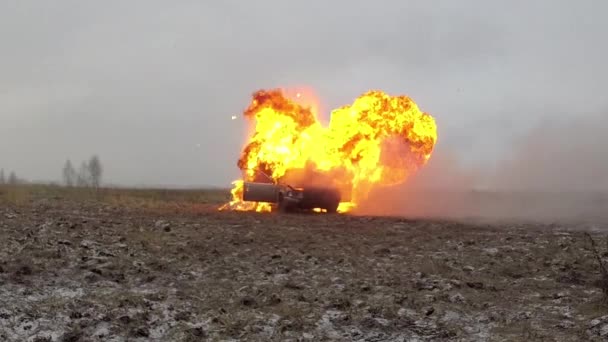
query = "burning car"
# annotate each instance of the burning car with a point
(379, 140)
(299, 190)
(286, 198)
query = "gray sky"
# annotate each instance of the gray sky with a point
(150, 85)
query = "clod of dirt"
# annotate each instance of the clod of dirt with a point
(72, 336)
(248, 301)
(424, 284)
(382, 251)
(197, 332)
(598, 327)
(87, 244)
(565, 324)
(274, 300)
(559, 295)
(24, 270)
(491, 251)
(339, 304)
(371, 323)
(182, 316)
(457, 298)
(124, 319)
(475, 285)
(162, 224)
(571, 277)
(75, 315)
(43, 339)
(140, 332)
(293, 286)
(468, 269)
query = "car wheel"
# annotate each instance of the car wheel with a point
(283, 207)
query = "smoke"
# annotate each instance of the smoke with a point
(557, 172)
(559, 156)
(435, 190)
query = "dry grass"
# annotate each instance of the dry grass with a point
(17, 195)
(137, 198)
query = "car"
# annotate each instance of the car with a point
(286, 198)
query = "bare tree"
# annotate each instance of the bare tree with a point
(2, 179)
(12, 179)
(69, 174)
(83, 178)
(95, 171)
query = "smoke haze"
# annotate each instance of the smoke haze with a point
(559, 171)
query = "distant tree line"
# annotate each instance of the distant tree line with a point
(88, 175)
(12, 178)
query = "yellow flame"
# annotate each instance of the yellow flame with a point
(378, 140)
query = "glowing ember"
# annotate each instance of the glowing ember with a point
(379, 140)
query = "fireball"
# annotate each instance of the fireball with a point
(378, 140)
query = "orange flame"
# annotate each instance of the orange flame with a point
(379, 140)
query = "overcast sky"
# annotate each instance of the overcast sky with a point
(150, 86)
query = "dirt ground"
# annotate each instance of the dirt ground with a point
(104, 271)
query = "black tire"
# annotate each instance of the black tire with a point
(332, 200)
(283, 208)
(332, 208)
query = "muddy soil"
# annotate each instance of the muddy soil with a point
(94, 272)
